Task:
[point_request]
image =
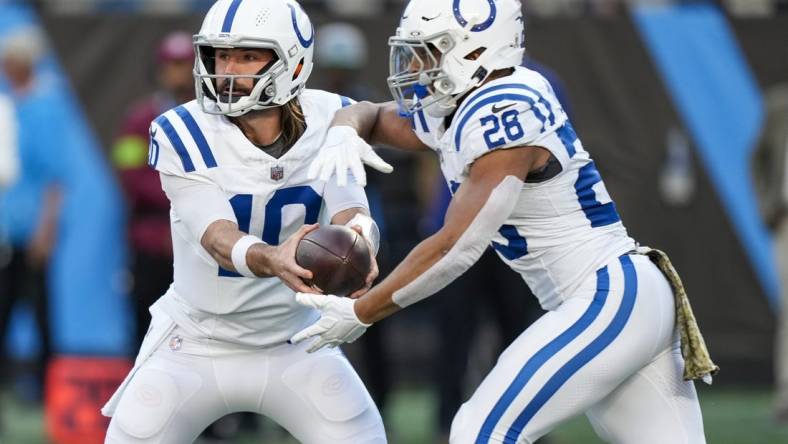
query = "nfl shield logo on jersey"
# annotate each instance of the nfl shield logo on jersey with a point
(277, 172)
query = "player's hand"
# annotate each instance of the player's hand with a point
(338, 323)
(373, 272)
(344, 150)
(284, 264)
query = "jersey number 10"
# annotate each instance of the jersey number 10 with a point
(305, 196)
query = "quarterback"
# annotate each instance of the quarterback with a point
(233, 164)
(608, 345)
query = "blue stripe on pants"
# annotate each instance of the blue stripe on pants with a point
(544, 354)
(585, 356)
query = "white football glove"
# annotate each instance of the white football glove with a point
(338, 323)
(344, 150)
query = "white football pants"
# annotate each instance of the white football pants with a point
(611, 351)
(185, 385)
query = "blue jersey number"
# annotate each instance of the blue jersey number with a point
(517, 246)
(153, 150)
(272, 226)
(512, 129)
(597, 213)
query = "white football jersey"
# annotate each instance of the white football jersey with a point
(271, 198)
(562, 229)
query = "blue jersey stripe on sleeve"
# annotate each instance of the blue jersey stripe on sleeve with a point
(541, 357)
(197, 135)
(176, 142)
(591, 351)
(494, 99)
(518, 86)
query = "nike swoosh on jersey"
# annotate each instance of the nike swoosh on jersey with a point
(496, 109)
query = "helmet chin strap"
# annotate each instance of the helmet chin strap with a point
(441, 108)
(270, 90)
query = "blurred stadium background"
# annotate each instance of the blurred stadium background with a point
(669, 96)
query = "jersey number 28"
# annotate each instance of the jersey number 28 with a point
(512, 130)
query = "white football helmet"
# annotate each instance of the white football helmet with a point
(444, 48)
(279, 25)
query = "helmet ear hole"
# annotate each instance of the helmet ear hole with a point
(475, 54)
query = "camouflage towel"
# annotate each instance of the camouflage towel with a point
(697, 362)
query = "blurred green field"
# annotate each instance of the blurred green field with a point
(732, 416)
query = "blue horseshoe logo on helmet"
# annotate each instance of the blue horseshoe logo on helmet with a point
(481, 26)
(304, 42)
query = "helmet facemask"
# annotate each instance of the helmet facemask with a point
(417, 80)
(216, 92)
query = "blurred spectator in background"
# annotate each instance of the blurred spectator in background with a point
(29, 209)
(771, 180)
(755, 8)
(148, 207)
(341, 54)
(9, 158)
(356, 8)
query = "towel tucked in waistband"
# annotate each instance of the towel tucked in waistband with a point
(697, 361)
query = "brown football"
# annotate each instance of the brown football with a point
(338, 258)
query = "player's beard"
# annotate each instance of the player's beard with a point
(237, 92)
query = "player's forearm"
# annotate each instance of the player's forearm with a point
(378, 303)
(395, 130)
(359, 116)
(219, 240)
(474, 216)
(380, 124)
(345, 216)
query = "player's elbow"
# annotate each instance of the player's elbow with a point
(364, 109)
(368, 107)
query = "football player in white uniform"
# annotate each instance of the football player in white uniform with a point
(607, 346)
(233, 164)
